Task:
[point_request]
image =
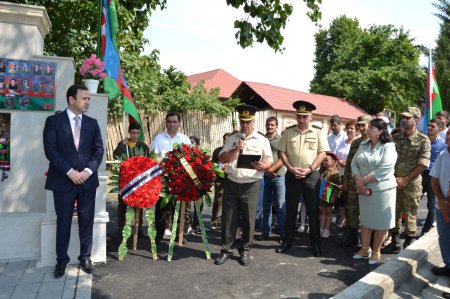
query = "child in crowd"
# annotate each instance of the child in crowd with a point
(329, 172)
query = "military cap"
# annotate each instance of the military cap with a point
(246, 112)
(411, 112)
(303, 107)
(363, 119)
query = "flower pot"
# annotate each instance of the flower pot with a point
(92, 85)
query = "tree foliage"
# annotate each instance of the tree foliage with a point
(375, 68)
(442, 53)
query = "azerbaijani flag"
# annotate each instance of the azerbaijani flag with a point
(433, 103)
(115, 83)
(326, 188)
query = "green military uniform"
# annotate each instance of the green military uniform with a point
(352, 201)
(412, 151)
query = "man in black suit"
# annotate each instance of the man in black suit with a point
(74, 147)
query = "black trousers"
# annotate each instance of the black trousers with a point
(239, 200)
(309, 187)
(63, 202)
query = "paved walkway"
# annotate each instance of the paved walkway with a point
(23, 280)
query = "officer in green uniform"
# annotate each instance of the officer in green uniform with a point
(352, 204)
(241, 187)
(302, 149)
(413, 149)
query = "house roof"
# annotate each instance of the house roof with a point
(216, 78)
(279, 98)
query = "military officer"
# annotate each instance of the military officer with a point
(352, 204)
(413, 149)
(241, 187)
(302, 149)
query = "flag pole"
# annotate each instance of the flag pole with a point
(99, 33)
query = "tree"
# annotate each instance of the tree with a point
(442, 53)
(375, 68)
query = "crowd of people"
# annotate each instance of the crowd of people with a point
(379, 175)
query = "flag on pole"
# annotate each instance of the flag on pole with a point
(433, 103)
(326, 189)
(115, 83)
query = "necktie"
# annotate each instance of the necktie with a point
(76, 131)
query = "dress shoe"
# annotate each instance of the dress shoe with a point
(441, 271)
(408, 241)
(263, 237)
(316, 250)
(222, 259)
(60, 270)
(284, 247)
(86, 265)
(245, 259)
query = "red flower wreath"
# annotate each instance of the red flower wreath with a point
(177, 182)
(146, 195)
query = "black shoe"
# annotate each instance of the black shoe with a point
(350, 239)
(86, 265)
(284, 247)
(245, 259)
(222, 259)
(441, 271)
(60, 270)
(316, 250)
(263, 237)
(393, 247)
(408, 241)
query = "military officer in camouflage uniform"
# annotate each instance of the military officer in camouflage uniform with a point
(352, 204)
(413, 149)
(302, 150)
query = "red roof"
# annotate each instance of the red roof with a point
(216, 78)
(280, 98)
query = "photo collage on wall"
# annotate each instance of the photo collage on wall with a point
(27, 85)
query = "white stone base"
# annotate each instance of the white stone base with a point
(48, 241)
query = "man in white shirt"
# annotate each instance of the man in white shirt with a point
(445, 117)
(163, 143)
(337, 135)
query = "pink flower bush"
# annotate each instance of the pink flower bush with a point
(93, 68)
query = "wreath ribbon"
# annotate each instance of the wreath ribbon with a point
(139, 181)
(189, 170)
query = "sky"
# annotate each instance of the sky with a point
(196, 36)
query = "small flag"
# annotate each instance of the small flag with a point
(326, 188)
(433, 103)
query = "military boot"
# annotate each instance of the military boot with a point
(351, 239)
(408, 241)
(394, 246)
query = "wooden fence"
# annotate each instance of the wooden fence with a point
(208, 128)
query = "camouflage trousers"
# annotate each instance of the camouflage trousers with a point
(352, 207)
(407, 203)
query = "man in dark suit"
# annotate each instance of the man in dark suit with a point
(74, 147)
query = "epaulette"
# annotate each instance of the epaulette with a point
(422, 135)
(317, 127)
(290, 127)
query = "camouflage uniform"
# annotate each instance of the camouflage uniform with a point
(352, 201)
(412, 151)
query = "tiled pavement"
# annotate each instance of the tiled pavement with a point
(22, 280)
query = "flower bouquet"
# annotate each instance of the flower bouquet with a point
(92, 70)
(188, 175)
(139, 186)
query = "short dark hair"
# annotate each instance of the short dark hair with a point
(336, 119)
(440, 124)
(134, 125)
(170, 114)
(272, 118)
(382, 126)
(73, 90)
(444, 114)
(196, 139)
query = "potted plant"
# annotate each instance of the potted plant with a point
(92, 70)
